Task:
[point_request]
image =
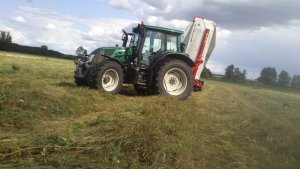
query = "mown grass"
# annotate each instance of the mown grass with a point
(47, 121)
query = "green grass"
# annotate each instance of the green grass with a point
(47, 121)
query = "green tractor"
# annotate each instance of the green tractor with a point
(151, 58)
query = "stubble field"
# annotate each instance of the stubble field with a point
(47, 121)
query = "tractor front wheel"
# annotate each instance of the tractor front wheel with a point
(175, 78)
(79, 81)
(109, 77)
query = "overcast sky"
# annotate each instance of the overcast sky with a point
(251, 34)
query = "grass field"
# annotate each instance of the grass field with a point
(47, 121)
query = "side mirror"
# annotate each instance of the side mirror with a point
(81, 52)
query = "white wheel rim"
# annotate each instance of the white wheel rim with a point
(175, 81)
(110, 80)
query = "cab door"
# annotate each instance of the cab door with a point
(154, 43)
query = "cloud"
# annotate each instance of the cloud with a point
(63, 32)
(216, 67)
(50, 26)
(18, 19)
(110, 34)
(223, 35)
(236, 14)
(18, 36)
(38, 11)
(120, 4)
(159, 4)
(27, 1)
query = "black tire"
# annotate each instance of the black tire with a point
(80, 81)
(113, 81)
(180, 80)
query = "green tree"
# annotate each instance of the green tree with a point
(206, 73)
(229, 72)
(268, 76)
(44, 47)
(5, 37)
(284, 78)
(239, 76)
(2, 36)
(296, 82)
(234, 74)
(244, 73)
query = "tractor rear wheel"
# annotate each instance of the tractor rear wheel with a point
(109, 77)
(175, 78)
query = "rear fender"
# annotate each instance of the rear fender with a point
(170, 55)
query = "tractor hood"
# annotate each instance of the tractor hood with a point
(108, 51)
(117, 53)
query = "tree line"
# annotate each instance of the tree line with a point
(234, 74)
(268, 76)
(6, 44)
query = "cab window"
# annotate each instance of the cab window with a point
(153, 43)
(171, 42)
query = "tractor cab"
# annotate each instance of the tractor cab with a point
(148, 41)
(140, 46)
(159, 40)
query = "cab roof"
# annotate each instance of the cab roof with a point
(168, 30)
